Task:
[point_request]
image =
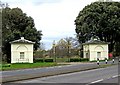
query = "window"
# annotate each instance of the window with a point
(21, 55)
(98, 54)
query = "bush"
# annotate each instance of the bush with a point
(6, 65)
(79, 59)
(74, 59)
(84, 59)
(38, 60)
(43, 60)
(49, 60)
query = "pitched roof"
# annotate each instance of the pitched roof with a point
(22, 40)
(95, 41)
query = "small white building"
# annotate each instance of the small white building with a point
(95, 49)
(22, 51)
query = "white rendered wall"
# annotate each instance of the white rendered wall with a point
(94, 48)
(15, 53)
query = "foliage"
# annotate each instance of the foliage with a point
(79, 59)
(39, 54)
(117, 49)
(84, 59)
(65, 47)
(64, 59)
(61, 48)
(49, 60)
(74, 59)
(101, 19)
(38, 60)
(16, 24)
(43, 60)
(42, 46)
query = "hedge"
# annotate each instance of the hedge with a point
(79, 59)
(84, 59)
(6, 65)
(38, 60)
(49, 60)
(74, 59)
(52, 60)
(43, 60)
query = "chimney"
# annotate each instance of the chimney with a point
(22, 38)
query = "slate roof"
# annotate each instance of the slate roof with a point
(95, 41)
(22, 40)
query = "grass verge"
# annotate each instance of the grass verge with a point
(18, 66)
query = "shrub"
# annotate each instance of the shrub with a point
(6, 65)
(49, 60)
(79, 59)
(74, 59)
(43, 60)
(84, 59)
(38, 60)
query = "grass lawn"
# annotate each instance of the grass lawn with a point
(27, 65)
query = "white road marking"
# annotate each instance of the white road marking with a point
(115, 76)
(97, 81)
(103, 79)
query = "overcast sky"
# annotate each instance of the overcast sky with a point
(54, 17)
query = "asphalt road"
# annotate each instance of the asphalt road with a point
(102, 75)
(111, 81)
(40, 72)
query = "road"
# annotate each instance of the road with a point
(89, 77)
(40, 72)
(110, 81)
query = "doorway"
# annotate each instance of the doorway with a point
(87, 55)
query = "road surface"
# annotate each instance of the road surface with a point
(90, 77)
(40, 72)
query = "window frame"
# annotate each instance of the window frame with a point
(22, 55)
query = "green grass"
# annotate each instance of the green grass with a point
(27, 65)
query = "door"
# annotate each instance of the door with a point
(87, 56)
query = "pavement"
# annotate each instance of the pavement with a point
(9, 76)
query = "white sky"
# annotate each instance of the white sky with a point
(54, 17)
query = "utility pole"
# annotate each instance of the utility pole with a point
(69, 51)
(79, 53)
(54, 50)
(1, 7)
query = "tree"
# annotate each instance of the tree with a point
(101, 19)
(42, 46)
(65, 47)
(16, 24)
(61, 48)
